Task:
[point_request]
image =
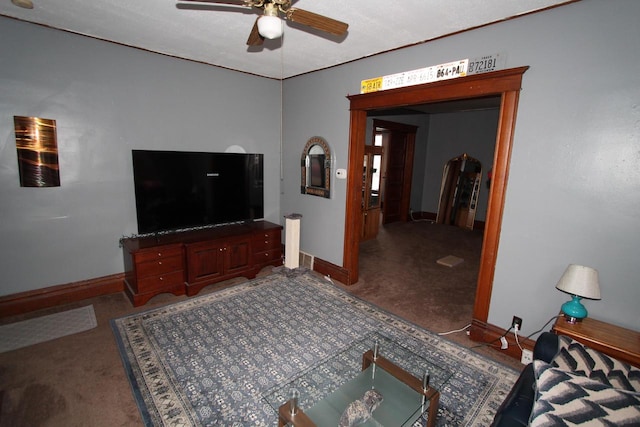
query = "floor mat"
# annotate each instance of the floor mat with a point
(46, 328)
(450, 261)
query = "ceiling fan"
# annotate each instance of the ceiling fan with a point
(269, 24)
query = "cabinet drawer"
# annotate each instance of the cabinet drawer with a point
(161, 281)
(158, 253)
(267, 256)
(159, 266)
(265, 241)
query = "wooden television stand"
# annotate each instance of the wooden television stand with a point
(185, 262)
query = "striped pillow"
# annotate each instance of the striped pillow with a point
(578, 359)
(566, 399)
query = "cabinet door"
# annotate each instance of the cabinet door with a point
(237, 255)
(206, 260)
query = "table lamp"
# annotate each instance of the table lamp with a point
(580, 282)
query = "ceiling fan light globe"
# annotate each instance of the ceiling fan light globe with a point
(270, 27)
(25, 4)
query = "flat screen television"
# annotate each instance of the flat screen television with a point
(177, 190)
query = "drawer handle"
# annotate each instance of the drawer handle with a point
(161, 278)
(159, 253)
(159, 262)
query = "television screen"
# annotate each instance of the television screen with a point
(180, 190)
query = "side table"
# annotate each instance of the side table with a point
(615, 341)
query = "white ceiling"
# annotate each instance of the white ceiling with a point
(218, 37)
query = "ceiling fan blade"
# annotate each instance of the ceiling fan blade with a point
(255, 39)
(232, 2)
(319, 22)
(213, 7)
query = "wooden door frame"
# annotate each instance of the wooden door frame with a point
(504, 83)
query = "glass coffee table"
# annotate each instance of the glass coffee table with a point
(402, 388)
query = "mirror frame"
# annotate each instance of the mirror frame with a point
(308, 189)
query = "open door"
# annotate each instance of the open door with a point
(398, 141)
(372, 190)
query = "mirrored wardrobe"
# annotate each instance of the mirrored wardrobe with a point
(459, 192)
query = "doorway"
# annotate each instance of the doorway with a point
(387, 175)
(506, 84)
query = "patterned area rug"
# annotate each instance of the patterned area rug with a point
(217, 358)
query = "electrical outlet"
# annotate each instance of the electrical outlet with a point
(516, 322)
(527, 357)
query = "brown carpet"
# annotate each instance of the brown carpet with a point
(79, 380)
(399, 272)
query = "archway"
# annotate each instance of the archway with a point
(506, 84)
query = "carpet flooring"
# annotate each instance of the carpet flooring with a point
(211, 360)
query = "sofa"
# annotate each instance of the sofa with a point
(570, 384)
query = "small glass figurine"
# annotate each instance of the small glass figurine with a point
(361, 410)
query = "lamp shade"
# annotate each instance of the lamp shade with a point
(580, 281)
(270, 27)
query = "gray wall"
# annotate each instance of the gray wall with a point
(107, 99)
(574, 187)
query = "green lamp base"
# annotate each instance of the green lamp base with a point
(573, 310)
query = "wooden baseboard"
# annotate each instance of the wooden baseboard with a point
(333, 271)
(486, 333)
(432, 216)
(418, 216)
(24, 302)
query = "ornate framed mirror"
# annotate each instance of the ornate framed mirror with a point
(459, 191)
(316, 168)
